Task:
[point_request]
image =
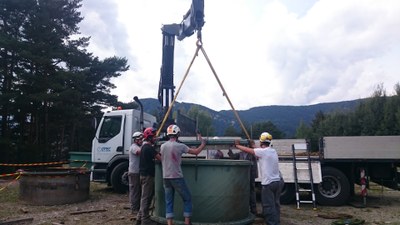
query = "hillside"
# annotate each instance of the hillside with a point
(286, 118)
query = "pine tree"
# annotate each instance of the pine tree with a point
(52, 87)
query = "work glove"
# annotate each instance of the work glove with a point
(237, 142)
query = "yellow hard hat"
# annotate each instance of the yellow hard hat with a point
(265, 137)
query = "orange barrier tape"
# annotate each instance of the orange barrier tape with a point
(9, 174)
(32, 164)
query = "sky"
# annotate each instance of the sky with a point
(264, 52)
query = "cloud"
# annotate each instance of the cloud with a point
(264, 52)
(335, 46)
(108, 33)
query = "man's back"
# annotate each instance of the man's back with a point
(171, 158)
(269, 163)
(147, 165)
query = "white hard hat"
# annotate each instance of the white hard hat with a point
(173, 130)
(137, 135)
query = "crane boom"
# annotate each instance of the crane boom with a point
(192, 21)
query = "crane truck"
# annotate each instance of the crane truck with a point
(110, 146)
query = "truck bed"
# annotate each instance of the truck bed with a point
(362, 147)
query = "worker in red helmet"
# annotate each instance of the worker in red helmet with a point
(271, 179)
(148, 154)
(171, 157)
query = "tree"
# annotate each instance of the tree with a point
(51, 86)
(12, 19)
(265, 126)
(231, 131)
(397, 109)
(303, 131)
(377, 115)
(203, 119)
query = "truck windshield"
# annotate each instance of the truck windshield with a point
(110, 127)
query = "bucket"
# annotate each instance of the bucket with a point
(55, 186)
(220, 192)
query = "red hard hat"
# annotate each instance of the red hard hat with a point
(149, 132)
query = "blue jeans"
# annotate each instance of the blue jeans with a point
(179, 185)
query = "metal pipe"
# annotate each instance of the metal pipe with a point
(141, 112)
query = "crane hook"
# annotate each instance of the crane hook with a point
(199, 42)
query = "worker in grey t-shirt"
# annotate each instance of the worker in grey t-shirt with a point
(171, 158)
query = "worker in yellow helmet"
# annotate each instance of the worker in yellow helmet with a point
(271, 179)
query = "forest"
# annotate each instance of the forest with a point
(51, 86)
(373, 116)
(377, 115)
(53, 89)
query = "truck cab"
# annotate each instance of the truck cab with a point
(110, 146)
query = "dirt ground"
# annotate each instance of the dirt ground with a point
(106, 207)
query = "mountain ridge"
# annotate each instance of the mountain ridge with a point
(285, 117)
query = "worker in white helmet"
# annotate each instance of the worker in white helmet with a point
(133, 172)
(171, 158)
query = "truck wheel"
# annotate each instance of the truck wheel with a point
(288, 194)
(119, 178)
(334, 189)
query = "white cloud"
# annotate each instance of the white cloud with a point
(264, 52)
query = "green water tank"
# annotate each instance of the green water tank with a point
(220, 192)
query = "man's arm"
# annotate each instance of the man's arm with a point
(244, 148)
(196, 151)
(158, 156)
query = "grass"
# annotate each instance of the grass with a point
(10, 191)
(99, 190)
(8, 196)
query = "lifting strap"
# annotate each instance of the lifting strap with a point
(200, 47)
